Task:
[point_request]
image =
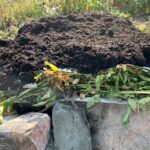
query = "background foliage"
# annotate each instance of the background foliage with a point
(14, 13)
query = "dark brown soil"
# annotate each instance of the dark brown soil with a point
(86, 42)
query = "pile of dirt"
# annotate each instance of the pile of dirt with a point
(86, 42)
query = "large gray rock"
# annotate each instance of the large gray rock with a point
(108, 133)
(71, 130)
(26, 132)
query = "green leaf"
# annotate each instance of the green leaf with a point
(144, 100)
(7, 104)
(99, 81)
(24, 92)
(135, 92)
(125, 117)
(125, 77)
(145, 78)
(90, 103)
(1, 94)
(96, 98)
(110, 73)
(93, 101)
(117, 82)
(132, 104)
(47, 95)
(43, 103)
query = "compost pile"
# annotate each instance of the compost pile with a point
(86, 42)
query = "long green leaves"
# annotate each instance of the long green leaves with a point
(123, 82)
(126, 116)
(43, 95)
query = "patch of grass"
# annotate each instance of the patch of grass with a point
(69, 6)
(13, 14)
(134, 7)
(18, 9)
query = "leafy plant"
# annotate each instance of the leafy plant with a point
(134, 7)
(124, 82)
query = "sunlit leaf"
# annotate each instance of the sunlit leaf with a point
(145, 78)
(99, 81)
(47, 95)
(144, 100)
(93, 101)
(126, 116)
(132, 104)
(24, 92)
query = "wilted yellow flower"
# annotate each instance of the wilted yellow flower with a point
(82, 96)
(49, 72)
(56, 78)
(53, 67)
(1, 114)
(122, 66)
(64, 77)
(38, 77)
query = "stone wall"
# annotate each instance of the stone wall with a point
(75, 128)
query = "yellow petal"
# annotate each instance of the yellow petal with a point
(38, 77)
(82, 96)
(53, 67)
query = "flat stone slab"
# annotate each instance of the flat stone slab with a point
(26, 132)
(70, 128)
(108, 132)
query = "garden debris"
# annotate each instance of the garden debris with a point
(125, 82)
